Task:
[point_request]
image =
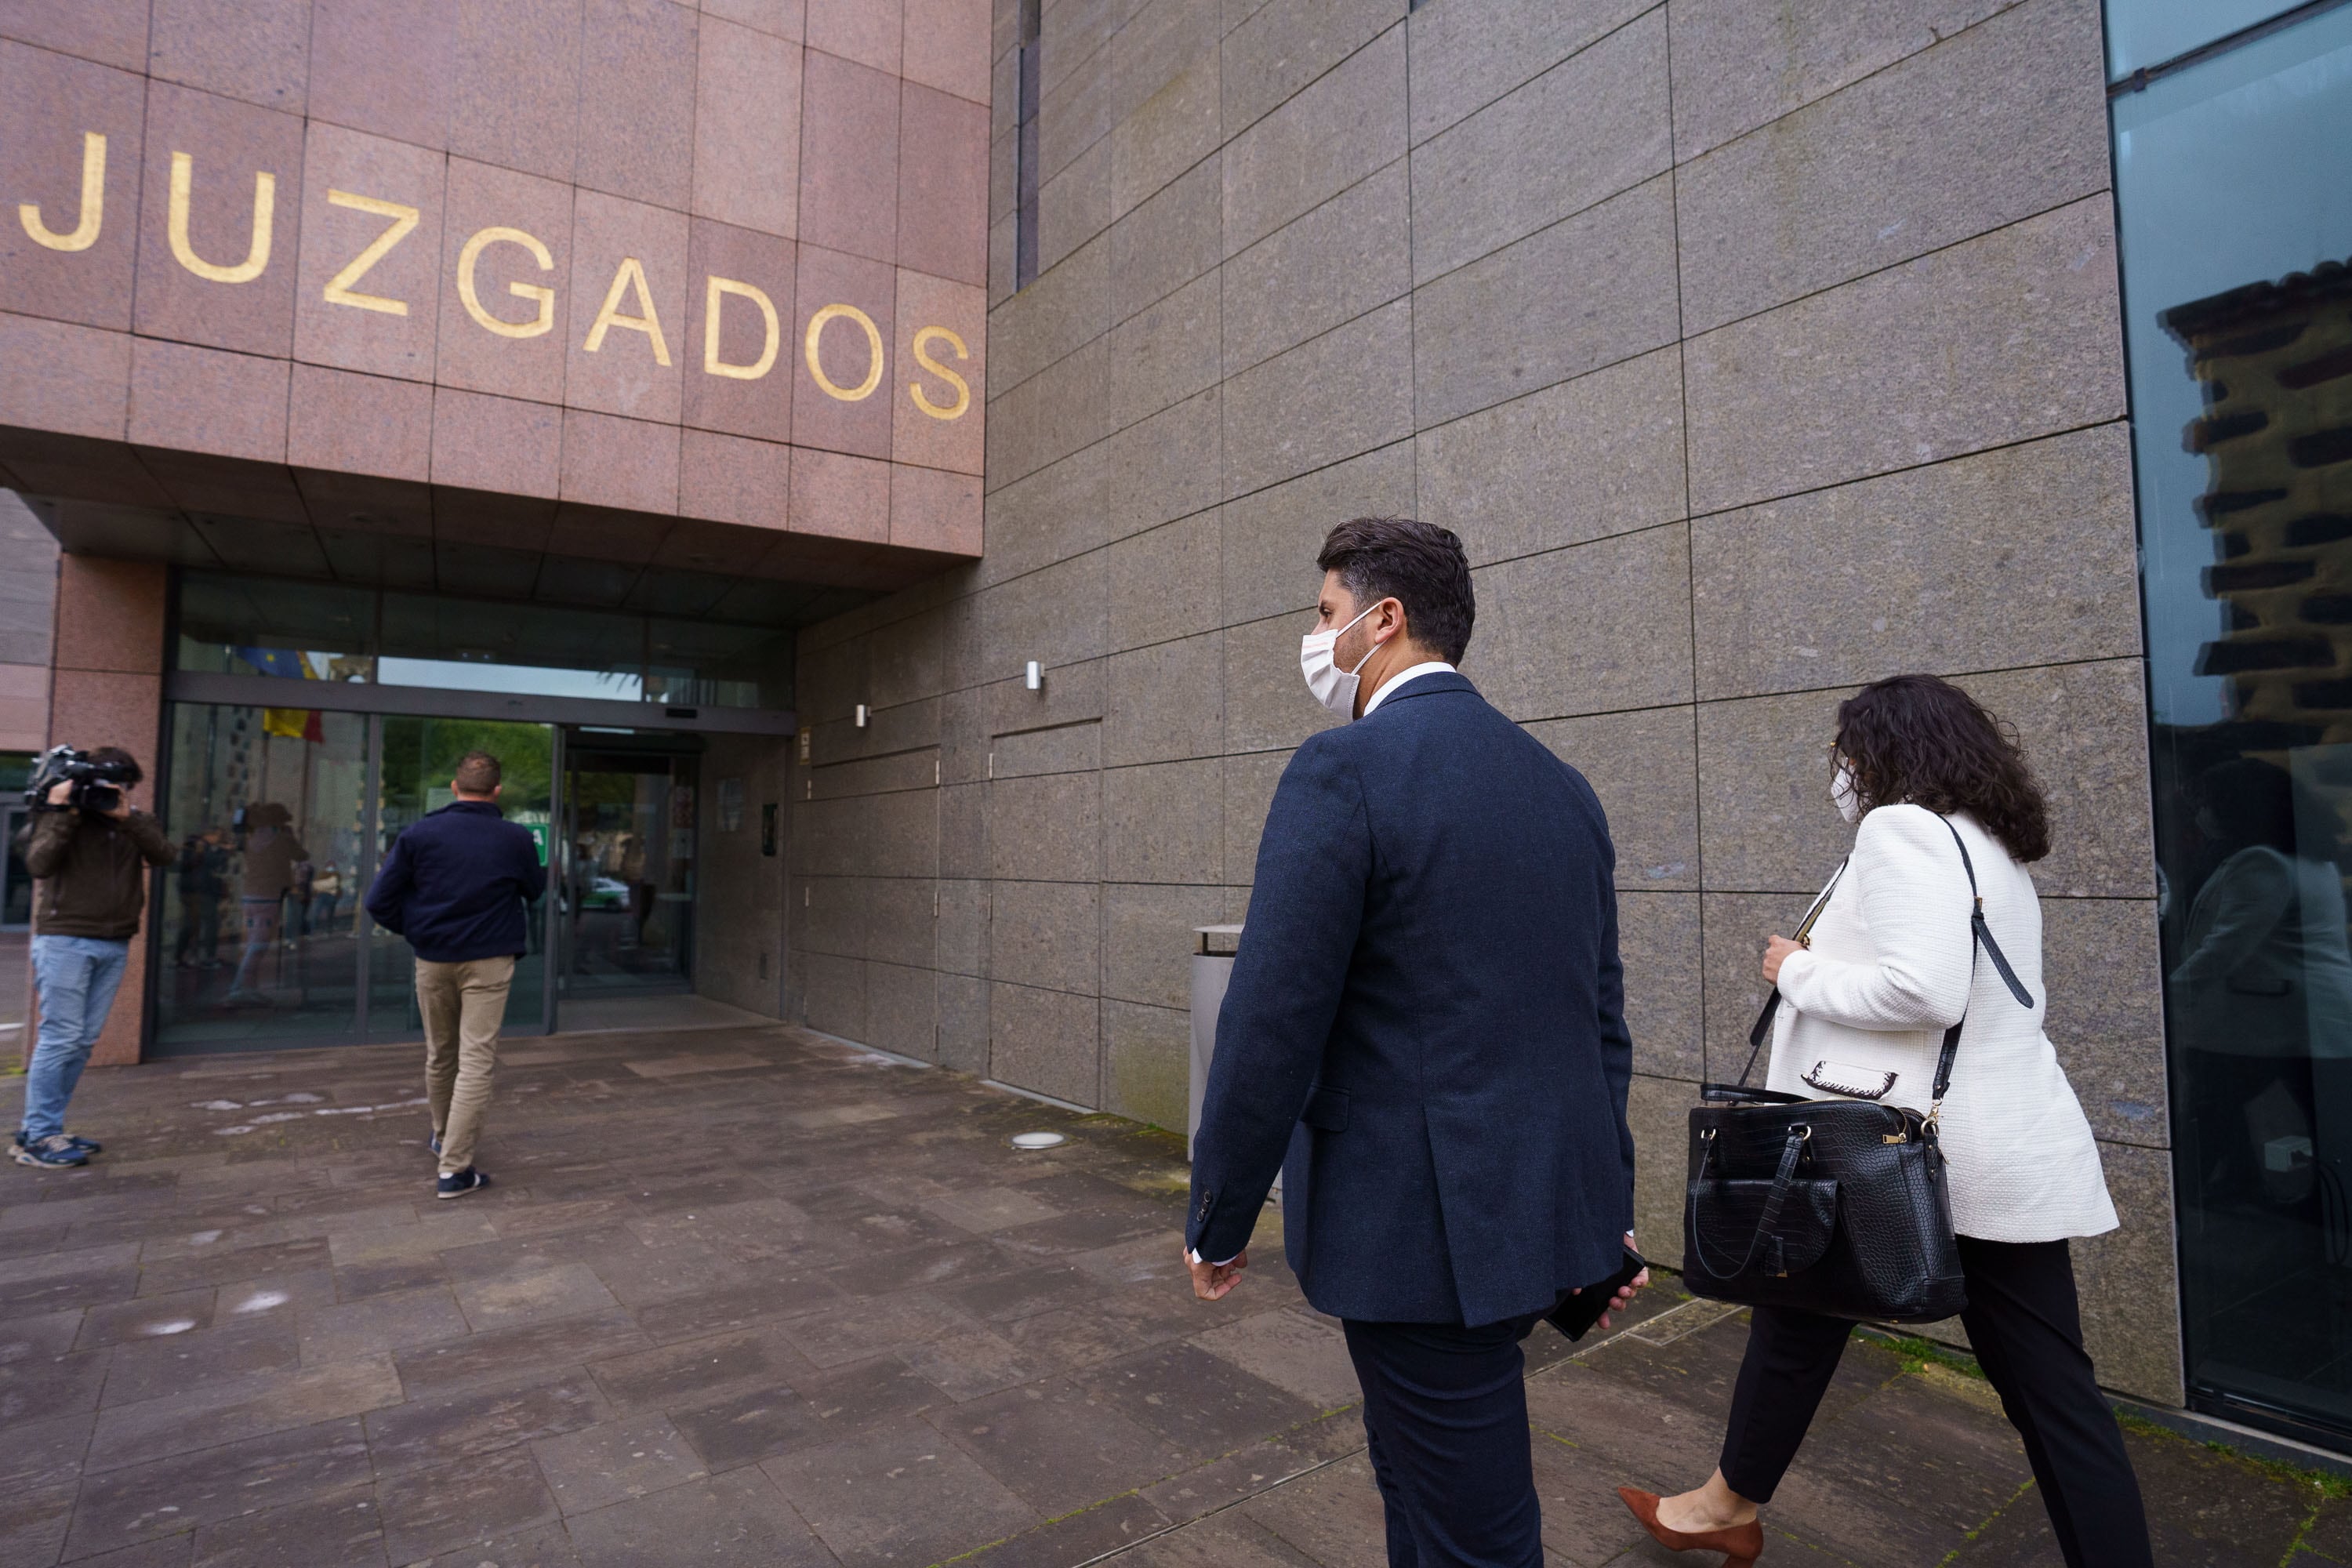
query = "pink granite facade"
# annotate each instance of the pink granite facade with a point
(625, 279)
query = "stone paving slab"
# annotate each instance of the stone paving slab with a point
(753, 1296)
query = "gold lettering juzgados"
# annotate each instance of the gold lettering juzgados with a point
(923, 340)
(542, 323)
(825, 383)
(93, 203)
(265, 203)
(338, 290)
(719, 287)
(631, 276)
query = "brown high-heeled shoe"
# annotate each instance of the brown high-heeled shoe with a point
(1740, 1545)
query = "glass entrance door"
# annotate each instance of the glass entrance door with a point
(281, 816)
(418, 757)
(260, 929)
(627, 917)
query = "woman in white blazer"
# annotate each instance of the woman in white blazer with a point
(1888, 967)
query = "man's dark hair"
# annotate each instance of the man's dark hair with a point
(1419, 565)
(125, 766)
(477, 773)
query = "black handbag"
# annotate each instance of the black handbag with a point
(1834, 1207)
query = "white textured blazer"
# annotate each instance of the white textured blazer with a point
(1889, 971)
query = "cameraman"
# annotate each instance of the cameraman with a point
(93, 865)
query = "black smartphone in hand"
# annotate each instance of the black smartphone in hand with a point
(1577, 1311)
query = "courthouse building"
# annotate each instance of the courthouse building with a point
(719, 412)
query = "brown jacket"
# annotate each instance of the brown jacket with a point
(92, 871)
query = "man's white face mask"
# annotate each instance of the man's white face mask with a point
(1842, 793)
(1333, 687)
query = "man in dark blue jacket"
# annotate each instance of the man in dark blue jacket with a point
(1426, 1016)
(456, 885)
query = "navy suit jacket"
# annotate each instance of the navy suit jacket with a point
(456, 883)
(1427, 1015)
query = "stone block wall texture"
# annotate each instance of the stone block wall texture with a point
(738, 906)
(439, 270)
(1756, 350)
(28, 590)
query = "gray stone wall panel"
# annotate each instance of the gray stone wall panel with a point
(1282, 46)
(1047, 934)
(2000, 123)
(1344, 393)
(1466, 56)
(1599, 455)
(1897, 369)
(1268, 539)
(1658, 942)
(1166, 702)
(1164, 822)
(1573, 137)
(2106, 1020)
(1165, 583)
(1626, 646)
(1148, 941)
(1167, 241)
(1047, 1041)
(1315, 145)
(1739, 65)
(1589, 291)
(2019, 555)
(1327, 266)
(1644, 765)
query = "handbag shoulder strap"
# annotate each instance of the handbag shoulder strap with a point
(1980, 936)
(1761, 1030)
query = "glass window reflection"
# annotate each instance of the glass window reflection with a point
(2236, 222)
(231, 624)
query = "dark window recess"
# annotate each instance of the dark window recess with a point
(2320, 528)
(1027, 176)
(2321, 447)
(2283, 653)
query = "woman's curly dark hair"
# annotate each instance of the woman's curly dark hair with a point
(1916, 739)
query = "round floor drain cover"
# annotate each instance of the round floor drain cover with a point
(1038, 1139)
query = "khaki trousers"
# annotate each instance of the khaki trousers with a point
(463, 1005)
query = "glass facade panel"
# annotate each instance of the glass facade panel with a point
(628, 915)
(260, 928)
(2236, 222)
(231, 625)
(419, 757)
(2144, 33)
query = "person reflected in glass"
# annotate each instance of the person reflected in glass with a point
(271, 854)
(1889, 966)
(203, 884)
(2263, 993)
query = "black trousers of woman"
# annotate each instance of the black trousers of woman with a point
(2024, 1322)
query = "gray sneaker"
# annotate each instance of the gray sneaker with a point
(56, 1153)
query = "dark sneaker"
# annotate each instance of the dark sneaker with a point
(87, 1145)
(54, 1153)
(468, 1180)
(436, 1145)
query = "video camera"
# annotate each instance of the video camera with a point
(97, 786)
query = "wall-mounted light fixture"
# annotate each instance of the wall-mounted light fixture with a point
(862, 715)
(1034, 678)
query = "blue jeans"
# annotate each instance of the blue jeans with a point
(77, 977)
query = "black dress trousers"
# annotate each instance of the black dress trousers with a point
(1445, 1409)
(2023, 1320)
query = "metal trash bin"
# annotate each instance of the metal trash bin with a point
(1212, 965)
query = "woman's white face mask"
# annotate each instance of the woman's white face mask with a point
(1333, 687)
(1842, 793)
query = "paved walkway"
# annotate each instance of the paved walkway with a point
(751, 1297)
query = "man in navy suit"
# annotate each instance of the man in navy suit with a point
(1424, 1032)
